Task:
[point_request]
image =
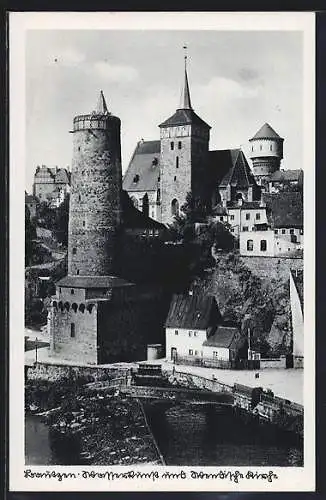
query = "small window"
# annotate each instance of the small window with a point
(276, 231)
(77, 271)
(79, 197)
(291, 231)
(294, 238)
(195, 334)
(196, 353)
(158, 179)
(175, 178)
(179, 145)
(301, 231)
(177, 162)
(231, 217)
(250, 245)
(84, 223)
(172, 146)
(74, 251)
(221, 217)
(263, 245)
(136, 179)
(260, 147)
(252, 148)
(72, 330)
(190, 333)
(257, 216)
(176, 332)
(191, 352)
(72, 291)
(245, 228)
(283, 231)
(232, 230)
(271, 147)
(60, 290)
(247, 216)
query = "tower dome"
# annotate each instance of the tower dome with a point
(266, 152)
(95, 198)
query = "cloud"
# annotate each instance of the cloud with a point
(114, 72)
(221, 88)
(248, 74)
(68, 57)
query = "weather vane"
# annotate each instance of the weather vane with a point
(185, 54)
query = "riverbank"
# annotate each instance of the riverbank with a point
(104, 428)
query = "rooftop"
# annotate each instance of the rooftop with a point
(195, 311)
(266, 132)
(287, 176)
(238, 173)
(284, 209)
(223, 336)
(144, 168)
(93, 282)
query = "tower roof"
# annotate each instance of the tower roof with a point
(184, 115)
(101, 107)
(266, 132)
(185, 94)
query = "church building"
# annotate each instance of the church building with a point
(162, 172)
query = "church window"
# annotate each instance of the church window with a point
(172, 145)
(247, 216)
(179, 145)
(77, 271)
(263, 245)
(74, 251)
(72, 330)
(250, 245)
(175, 178)
(175, 207)
(177, 162)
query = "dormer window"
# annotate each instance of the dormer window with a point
(136, 179)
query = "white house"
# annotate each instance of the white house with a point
(224, 344)
(296, 299)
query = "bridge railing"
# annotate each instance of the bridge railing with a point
(199, 382)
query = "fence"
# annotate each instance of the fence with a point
(240, 364)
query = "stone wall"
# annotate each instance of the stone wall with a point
(82, 346)
(52, 372)
(95, 208)
(272, 267)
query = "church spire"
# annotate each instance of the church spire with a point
(101, 107)
(185, 96)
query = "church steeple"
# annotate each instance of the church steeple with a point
(185, 95)
(101, 107)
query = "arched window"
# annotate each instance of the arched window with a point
(177, 162)
(175, 207)
(134, 201)
(263, 245)
(250, 245)
(145, 205)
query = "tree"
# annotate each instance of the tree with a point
(61, 222)
(30, 235)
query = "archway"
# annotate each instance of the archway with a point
(174, 207)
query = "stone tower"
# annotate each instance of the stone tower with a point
(95, 199)
(184, 149)
(266, 152)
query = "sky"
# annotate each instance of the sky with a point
(238, 81)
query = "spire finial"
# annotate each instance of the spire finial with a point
(101, 107)
(185, 99)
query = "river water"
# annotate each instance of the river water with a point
(186, 435)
